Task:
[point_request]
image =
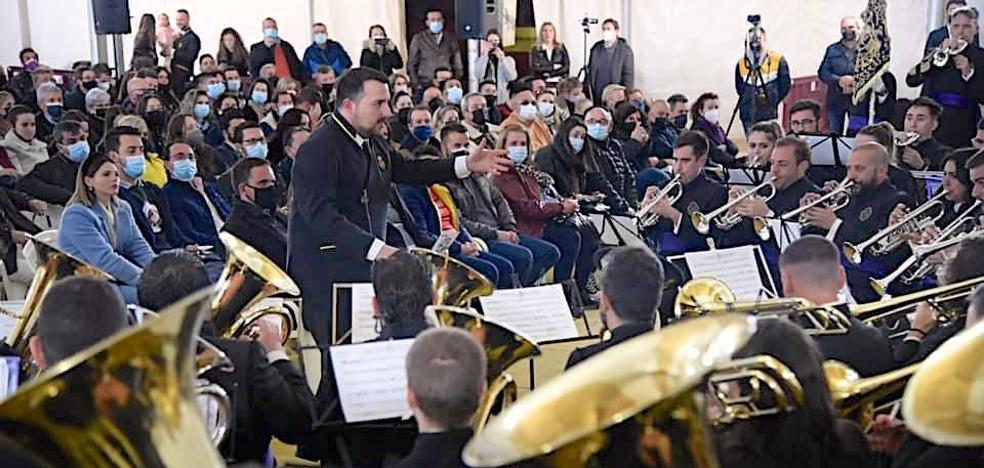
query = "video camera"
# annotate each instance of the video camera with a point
(588, 21)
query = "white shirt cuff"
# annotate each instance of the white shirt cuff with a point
(374, 249)
(833, 230)
(968, 76)
(770, 214)
(461, 167)
(277, 355)
(676, 225)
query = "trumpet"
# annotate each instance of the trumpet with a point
(894, 236)
(838, 198)
(948, 300)
(726, 216)
(672, 191)
(940, 56)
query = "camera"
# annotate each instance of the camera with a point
(381, 41)
(586, 21)
(755, 20)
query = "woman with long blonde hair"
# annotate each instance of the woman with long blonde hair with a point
(549, 58)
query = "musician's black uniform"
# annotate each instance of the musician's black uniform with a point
(958, 97)
(701, 194)
(437, 450)
(933, 152)
(953, 210)
(619, 335)
(865, 348)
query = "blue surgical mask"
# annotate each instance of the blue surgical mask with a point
(436, 27)
(259, 97)
(281, 110)
(271, 33)
(517, 154)
(577, 144)
(201, 111)
(234, 85)
(134, 166)
(423, 132)
(54, 110)
(184, 170)
(78, 151)
(257, 150)
(215, 90)
(598, 131)
(320, 38)
(455, 94)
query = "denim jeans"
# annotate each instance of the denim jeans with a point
(530, 258)
(485, 267)
(577, 248)
(835, 121)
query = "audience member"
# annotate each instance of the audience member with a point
(431, 49)
(273, 50)
(324, 51)
(612, 60)
(522, 102)
(380, 52)
(23, 147)
(54, 180)
(255, 219)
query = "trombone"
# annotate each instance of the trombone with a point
(947, 300)
(672, 191)
(838, 198)
(726, 216)
(894, 235)
(855, 398)
(950, 237)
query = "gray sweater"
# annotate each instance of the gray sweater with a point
(483, 209)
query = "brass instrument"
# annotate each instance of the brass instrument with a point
(248, 278)
(838, 198)
(939, 57)
(703, 296)
(455, 283)
(855, 398)
(124, 402)
(52, 265)
(672, 191)
(894, 236)
(771, 389)
(649, 387)
(725, 217)
(950, 237)
(905, 139)
(503, 348)
(943, 402)
(948, 300)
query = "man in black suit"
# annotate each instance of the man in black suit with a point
(341, 184)
(811, 269)
(255, 218)
(445, 383)
(631, 290)
(938, 35)
(927, 153)
(186, 49)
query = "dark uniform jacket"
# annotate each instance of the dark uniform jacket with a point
(933, 152)
(437, 450)
(702, 195)
(262, 230)
(619, 335)
(865, 348)
(186, 49)
(959, 98)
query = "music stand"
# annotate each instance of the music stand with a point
(828, 150)
(746, 176)
(616, 231)
(341, 310)
(769, 286)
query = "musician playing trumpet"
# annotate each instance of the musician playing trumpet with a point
(789, 163)
(674, 233)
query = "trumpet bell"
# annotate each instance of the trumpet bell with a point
(944, 402)
(455, 283)
(126, 401)
(701, 291)
(761, 226)
(701, 222)
(852, 253)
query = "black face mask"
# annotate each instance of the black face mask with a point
(435, 104)
(266, 198)
(680, 121)
(478, 116)
(660, 123)
(404, 115)
(87, 85)
(155, 118)
(490, 100)
(326, 89)
(628, 127)
(849, 35)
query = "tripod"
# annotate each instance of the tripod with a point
(754, 77)
(585, 70)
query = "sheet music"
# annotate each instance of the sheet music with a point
(7, 322)
(542, 313)
(372, 379)
(9, 375)
(363, 323)
(785, 232)
(735, 267)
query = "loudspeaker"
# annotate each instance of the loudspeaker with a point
(111, 16)
(474, 17)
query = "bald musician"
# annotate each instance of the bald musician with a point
(445, 383)
(811, 269)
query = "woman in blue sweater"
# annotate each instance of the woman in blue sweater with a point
(98, 228)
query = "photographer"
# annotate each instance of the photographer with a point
(761, 78)
(380, 52)
(492, 64)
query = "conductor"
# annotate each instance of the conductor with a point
(341, 182)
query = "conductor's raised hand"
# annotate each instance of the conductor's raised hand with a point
(488, 161)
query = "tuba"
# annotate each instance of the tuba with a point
(126, 401)
(943, 402)
(248, 278)
(641, 399)
(503, 348)
(455, 283)
(859, 399)
(52, 265)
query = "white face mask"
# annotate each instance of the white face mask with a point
(527, 112)
(711, 116)
(608, 35)
(546, 109)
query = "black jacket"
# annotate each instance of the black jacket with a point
(437, 450)
(263, 231)
(541, 65)
(619, 335)
(138, 196)
(569, 177)
(621, 71)
(386, 62)
(959, 98)
(701, 194)
(933, 152)
(186, 49)
(865, 348)
(260, 54)
(52, 181)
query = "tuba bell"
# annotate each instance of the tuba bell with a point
(124, 402)
(859, 399)
(503, 348)
(248, 278)
(52, 265)
(455, 284)
(641, 399)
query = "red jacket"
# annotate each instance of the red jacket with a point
(523, 195)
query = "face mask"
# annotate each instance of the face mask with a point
(577, 144)
(54, 110)
(155, 118)
(661, 122)
(628, 127)
(259, 97)
(31, 65)
(320, 38)
(271, 33)
(478, 116)
(401, 88)
(134, 166)
(281, 110)
(455, 94)
(257, 150)
(215, 90)
(545, 109)
(608, 35)
(195, 136)
(527, 112)
(460, 152)
(326, 88)
(77, 152)
(490, 100)
(201, 111)
(423, 132)
(711, 116)
(436, 27)
(234, 85)
(639, 105)
(849, 35)
(184, 170)
(680, 121)
(266, 198)
(435, 104)
(517, 154)
(103, 85)
(598, 131)
(403, 115)
(87, 85)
